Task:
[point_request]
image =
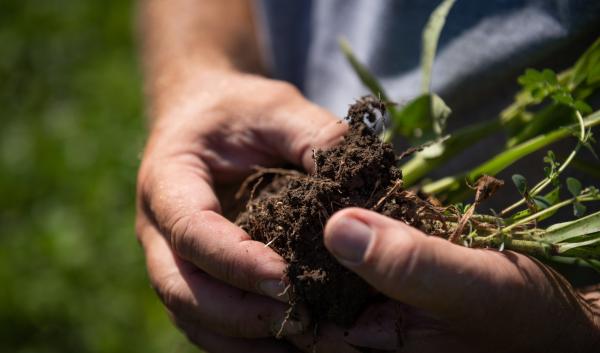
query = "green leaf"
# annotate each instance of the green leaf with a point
(588, 240)
(530, 77)
(365, 76)
(561, 232)
(542, 202)
(439, 114)
(423, 119)
(520, 182)
(574, 186)
(431, 35)
(452, 185)
(550, 199)
(579, 209)
(582, 107)
(549, 77)
(563, 98)
(587, 68)
(423, 162)
(434, 150)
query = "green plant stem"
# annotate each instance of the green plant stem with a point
(542, 184)
(529, 247)
(586, 263)
(539, 214)
(420, 165)
(584, 197)
(508, 157)
(538, 249)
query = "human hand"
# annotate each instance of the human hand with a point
(219, 286)
(457, 299)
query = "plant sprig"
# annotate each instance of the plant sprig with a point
(542, 113)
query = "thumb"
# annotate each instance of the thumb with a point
(426, 272)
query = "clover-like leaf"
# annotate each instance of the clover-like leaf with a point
(520, 182)
(579, 209)
(574, 186)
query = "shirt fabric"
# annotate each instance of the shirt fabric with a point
(484, 43)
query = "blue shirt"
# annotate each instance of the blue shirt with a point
(484, 44)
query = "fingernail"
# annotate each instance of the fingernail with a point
(275, 289)
(348, 239)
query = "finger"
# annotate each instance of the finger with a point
(214, 343)
(327, 338)
(376, 327)
(183, 206)
(433, 341)
(192, 295)
(433, 274)
(391, 326)
(302, 127)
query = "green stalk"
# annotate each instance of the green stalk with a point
(419, 165)
(575, 261)
(506, 158)
(540, 250)
(542, 184)
(540, 213)
(529, 247)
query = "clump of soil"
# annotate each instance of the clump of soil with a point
(287, 210)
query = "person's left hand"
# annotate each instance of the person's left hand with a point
(456, 299)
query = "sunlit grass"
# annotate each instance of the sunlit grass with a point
(72, 274)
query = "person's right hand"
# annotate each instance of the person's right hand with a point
(219, 286)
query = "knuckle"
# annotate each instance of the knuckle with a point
(177, 229)
(236, 269)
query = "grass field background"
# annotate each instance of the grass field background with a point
(72, 275)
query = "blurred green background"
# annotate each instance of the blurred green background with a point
(72, 275)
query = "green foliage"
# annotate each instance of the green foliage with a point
(421, 120)
(551, 170)
(587, 68)
(574, 186)
(550, 199)
(431, 36)
(72, 273)
(543, 113)
(545, 84)
(579, 209)
(365, 76)
(520, 182)
(501, 161)
(424, 118)
(563, 232)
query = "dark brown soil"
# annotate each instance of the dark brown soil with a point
(288, 210)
